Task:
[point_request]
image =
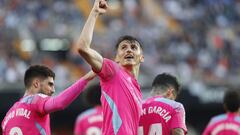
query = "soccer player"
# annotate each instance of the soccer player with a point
(229, 122)
(30, 115)
(161, 115)
(90, 121)
(121, 95)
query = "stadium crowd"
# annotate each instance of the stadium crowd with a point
(195, 40)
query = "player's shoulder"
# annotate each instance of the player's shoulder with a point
(218, 118)
(86, 113)
(108, 61)
(237, 118)
(174, 104)
(30, 99)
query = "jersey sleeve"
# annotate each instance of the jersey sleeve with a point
(38, 103)
(178, 119)
(109, 69)
(66, 97)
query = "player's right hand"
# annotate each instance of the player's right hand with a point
(100, 6)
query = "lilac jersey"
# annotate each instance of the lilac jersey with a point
(121, 100)
(89, 122)
(224, 124)
(160, 115)
(27, 117)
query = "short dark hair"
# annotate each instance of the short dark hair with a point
(128, 38)
(93, 94)
(164, 81)
(231, 100)
(37, 71)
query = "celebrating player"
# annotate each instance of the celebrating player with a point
(228, 123)
(161, 115)
(30, 115)
(121, 95)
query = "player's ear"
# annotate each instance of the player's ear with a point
(142, 59)
(117, 59)
(36, 83)
(170, 94)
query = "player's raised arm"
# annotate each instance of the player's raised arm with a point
(91, 56)
(66, 97)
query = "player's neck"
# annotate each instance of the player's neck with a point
(29, 92)
(237, 112)
(133, 70)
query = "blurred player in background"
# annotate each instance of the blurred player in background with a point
(121, 95)
(228, 123)
(30, 115)
(90, 121)
(161, 115)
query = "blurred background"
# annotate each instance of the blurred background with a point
(196, 40)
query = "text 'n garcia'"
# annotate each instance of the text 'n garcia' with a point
(157, 110)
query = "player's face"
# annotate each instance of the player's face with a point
(47, 86)
(129, 53)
